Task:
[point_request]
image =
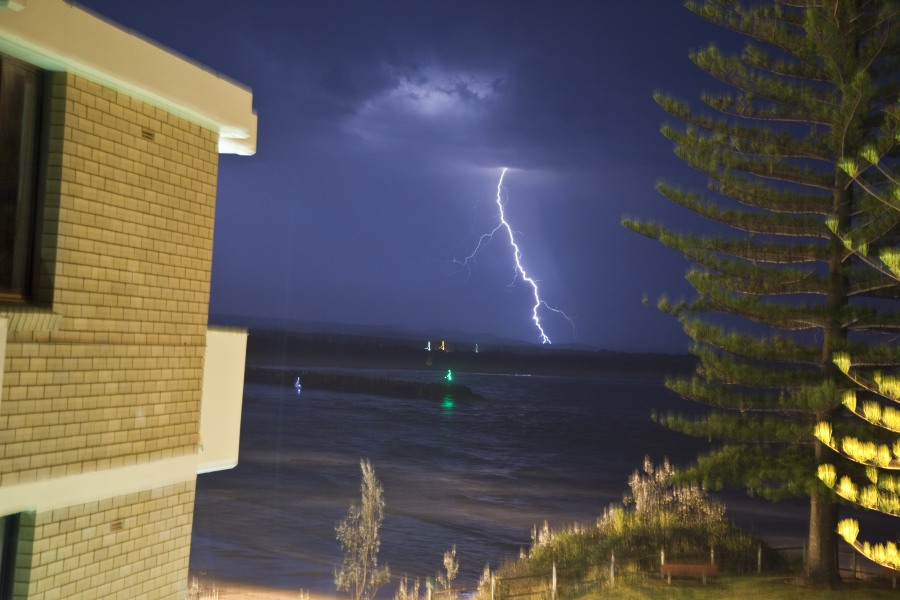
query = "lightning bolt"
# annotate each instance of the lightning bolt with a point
(520, 272)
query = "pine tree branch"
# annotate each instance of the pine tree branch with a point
(781, 225)
(728, 371)
(751, 140)
(772, 348)
(759, 195)
(749, 249)
(715, 155)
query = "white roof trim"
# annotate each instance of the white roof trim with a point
(56, 35)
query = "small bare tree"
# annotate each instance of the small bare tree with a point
(451, 569)
(407, 590)
(358, 534)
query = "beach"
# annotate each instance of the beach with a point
(212, 588)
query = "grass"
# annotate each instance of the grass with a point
(688, 523)
(761, 587)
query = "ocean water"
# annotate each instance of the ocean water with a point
(474, 474)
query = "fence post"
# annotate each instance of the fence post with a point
(712, 555)
(428, 588)
(758, 559)
(612, 569)
(662, 557)
(553, 588)
(493, 587)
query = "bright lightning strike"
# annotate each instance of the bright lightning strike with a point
(520, 272)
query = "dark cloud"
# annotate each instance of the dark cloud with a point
(383, 128)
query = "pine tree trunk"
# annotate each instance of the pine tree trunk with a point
(822, 559)
(822, 568)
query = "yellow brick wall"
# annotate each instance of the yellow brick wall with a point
(114, 377)
(134, 547)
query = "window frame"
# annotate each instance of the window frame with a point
(17, 287)
(9, 549)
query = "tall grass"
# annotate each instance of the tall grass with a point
(657, 515)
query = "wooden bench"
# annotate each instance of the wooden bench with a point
(701, 570)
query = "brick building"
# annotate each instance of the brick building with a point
(115, 392)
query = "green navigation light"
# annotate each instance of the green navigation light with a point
(449, 375)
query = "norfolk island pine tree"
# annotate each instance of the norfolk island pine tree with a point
(810, 88)
(873, 387)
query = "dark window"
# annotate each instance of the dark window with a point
(19, 112)
(9, 536)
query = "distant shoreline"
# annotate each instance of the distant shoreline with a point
(344, 382)
(311, 350)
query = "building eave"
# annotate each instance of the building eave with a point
(60, 36)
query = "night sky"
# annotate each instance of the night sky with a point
(383, 129)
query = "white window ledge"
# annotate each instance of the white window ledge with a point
(223, 395)
(30, 319)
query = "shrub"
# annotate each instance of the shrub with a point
(657, 514)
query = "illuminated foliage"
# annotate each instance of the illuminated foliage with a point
(407, 590)
(660, 501)
(879, 490)
(876, 174)
(874, 171)
(360, 537)
(445, 579)
(799, 263)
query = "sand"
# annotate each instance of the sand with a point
(218, 589)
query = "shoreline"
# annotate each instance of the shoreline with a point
(207, 587)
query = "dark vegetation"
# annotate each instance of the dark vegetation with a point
(662, 518)
(658, 517)
(268, 347)
(799, 145)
